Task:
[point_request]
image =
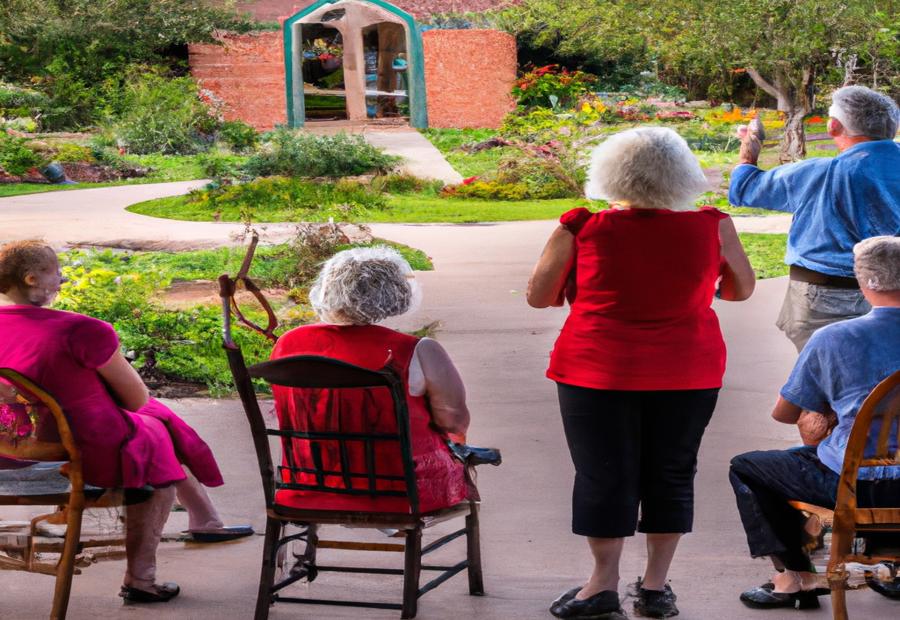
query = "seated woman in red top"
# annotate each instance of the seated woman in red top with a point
(126, 438)
(355, 290)
(639, 361)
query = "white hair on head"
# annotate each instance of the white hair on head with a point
(877, 263)
(649, 167)
(364, 286)
(865, 112)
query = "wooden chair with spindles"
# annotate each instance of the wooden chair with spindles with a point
(40, 465)
(879, 413)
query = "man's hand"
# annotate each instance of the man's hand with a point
(750, 144)
(814, 427)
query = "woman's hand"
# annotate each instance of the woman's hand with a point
(124, 382)
(547, 284)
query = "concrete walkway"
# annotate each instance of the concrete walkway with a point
(422, 158)
(501, 347)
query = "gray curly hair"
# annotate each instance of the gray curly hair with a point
(877, 263)
(865, 112)
(649, 167)
(364, 286)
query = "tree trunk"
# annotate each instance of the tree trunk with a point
(793, 142)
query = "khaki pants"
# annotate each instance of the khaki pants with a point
(807, 307)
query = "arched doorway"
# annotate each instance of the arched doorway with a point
(364, 53)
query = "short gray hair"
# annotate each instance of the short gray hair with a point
(650, 167)
(864, 112)
(877, 263)
(363, 286)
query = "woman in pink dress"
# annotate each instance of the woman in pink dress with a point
(127, 439)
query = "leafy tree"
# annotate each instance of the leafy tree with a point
(77, 50)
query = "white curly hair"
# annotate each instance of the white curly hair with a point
(364, 286)
(877, 263)
(647, 167)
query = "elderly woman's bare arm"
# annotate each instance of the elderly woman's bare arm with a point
(738, 279)
(441, 384)
(125, 383)
(548, 280)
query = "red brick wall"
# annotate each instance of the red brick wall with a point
(468, 77)
(274, 10)
(247, 73)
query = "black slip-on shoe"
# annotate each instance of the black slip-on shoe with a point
(655, 603)
(161, 593)
(601, 606)
(564, 598)
(764, 598)
(223, 534)
(817, 591)
(890, 589)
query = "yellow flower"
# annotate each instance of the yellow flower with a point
(585, 107)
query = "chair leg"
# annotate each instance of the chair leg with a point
(841, 542)
(412, 568)
(839, 603)
(267, 572)
(66, 566)
(473, 552)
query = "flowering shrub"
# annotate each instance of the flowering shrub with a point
(552, 87)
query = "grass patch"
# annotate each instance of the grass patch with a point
(449, 141)
(405, 208)
(166, 169)
(766, 253)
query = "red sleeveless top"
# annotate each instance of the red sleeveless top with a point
(439, 477)
(641, 316)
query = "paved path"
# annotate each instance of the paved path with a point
(98, 216)
(501, 347)
(422, 158)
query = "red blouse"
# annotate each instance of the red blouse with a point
(640, 314)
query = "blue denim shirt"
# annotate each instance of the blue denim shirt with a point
(836, 202)
(837, 369)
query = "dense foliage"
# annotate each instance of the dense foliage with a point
(77, 53)
(290, 153)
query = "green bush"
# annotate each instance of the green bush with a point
(343, 200)
(164, 115)
(239, 136)
(405, 184)
(69, 152)
(552, 87)
(15, 156)
(297, 154)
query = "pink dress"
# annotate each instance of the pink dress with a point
(61, 352)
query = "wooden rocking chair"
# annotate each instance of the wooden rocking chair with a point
(848, 520)
(34, 428)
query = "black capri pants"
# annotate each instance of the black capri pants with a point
(634, 449)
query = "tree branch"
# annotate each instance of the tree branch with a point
(760, 81)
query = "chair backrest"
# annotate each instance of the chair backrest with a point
(882, 405)
(304, 467)
(33, 426)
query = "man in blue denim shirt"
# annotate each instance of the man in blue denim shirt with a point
(836, 203)
(837, 369)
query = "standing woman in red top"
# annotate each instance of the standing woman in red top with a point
(640, 359)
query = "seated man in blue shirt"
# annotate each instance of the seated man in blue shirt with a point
(836, 370)
(836, 203)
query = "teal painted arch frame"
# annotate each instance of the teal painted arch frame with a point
(418, 113)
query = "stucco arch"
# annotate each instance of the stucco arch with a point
(418, 116)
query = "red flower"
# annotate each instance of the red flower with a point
(470, 180)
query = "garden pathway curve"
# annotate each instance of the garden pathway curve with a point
(98, 217)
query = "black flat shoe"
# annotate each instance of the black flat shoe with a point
(564, 598)
(603, 605)
(817, 591)
(655, 603)
(223, 534)
(764, 598)
(161, 593)
(890, 589)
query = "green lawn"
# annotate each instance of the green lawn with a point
(766, 253)
(166, 169)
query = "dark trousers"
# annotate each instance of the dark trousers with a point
(632, 450)
(763, 483)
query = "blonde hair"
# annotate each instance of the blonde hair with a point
(649, 167)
